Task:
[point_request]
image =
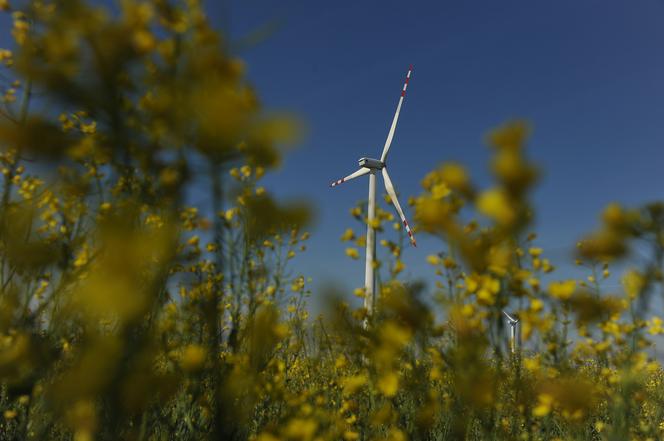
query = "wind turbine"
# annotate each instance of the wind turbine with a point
(514, 322)
(371, 166)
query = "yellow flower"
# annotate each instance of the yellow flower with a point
(267, 437)
(230, 214)
(193, 358)
(532, 364)
(353, 383)
(349, 435)
(10, 414)
(395, 335)
(455, 176)
(298, 284)
(614, 215)
(536, 305)
(562, 290)
(510, 136)
(280, 330)
(5, 55)
(468, 310)
(90, 128)
(4, 5)
(352, 253)
(388, 384)
(495, 205)
(484, 297)
(535, 252)
(20, 31)
(499, 259)
(301, 429)
(360, 292)
(534, 282)
(433, 259)
(143, 41)
(396, 435)
(633, 282)
(349, 234)
(82, 257)
(398, 267)
(440, 190)
(484, 287)
(432, 214)
(65, 122)
(544, 406)
(472, 283)
(655, 326)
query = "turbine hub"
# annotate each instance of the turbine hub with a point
(371, 163)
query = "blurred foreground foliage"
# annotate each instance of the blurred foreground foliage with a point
(145, 289)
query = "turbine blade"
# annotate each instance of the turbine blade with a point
(360, 172)
(393, 196)
(390, 135)
(510, 318)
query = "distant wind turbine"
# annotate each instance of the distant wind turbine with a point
(371, 166)
(514, 322)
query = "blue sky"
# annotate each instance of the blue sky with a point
(587, 74)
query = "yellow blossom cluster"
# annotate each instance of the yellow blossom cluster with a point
(150, 280)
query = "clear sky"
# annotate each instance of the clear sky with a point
(588, 75)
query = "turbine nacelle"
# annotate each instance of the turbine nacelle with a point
(373, 164)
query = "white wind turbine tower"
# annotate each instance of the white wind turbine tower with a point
(371, 166)
(513, 329)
